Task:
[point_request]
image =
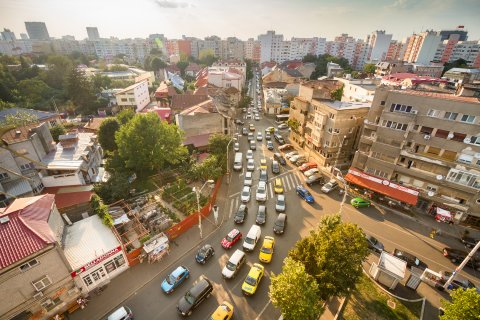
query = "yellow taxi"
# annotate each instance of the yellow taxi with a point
(251, 127)
(263, 164)
(278, 186)
(266, 252)
(223, 312)
(252, 280)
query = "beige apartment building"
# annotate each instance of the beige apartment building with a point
(328, 130)
(423, 148)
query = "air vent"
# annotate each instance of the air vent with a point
(4, 219)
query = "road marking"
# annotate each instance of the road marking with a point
(263, 310)
(234, 195)
(271, 191)
(286, 183)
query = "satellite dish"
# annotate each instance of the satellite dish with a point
(439, 177)
(431, 193)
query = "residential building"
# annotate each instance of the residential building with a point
(135, 96)
(7, 35)
(37, 30)
(358, 90)
(192, 69)
(270, 46)
(424, 146)
(463, 75)
(421, 48)
(146, 75)
(223, 79)
(386, 68)
(452, 49)
(92, 33)
(433, 70)
(396, 51)
(334, 69)
(50, 118)
(252, 50)
(35, 276)
(282, 74)
(227, 65)
(75, 161)
(409, 80)
(460, 31)
(378, 43)
(274, 99)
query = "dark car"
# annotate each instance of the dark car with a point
(304, 194)
(275, 167)
(196, 295)
(269, 145)
(314, 179)
(245, 131)
(279, 138)
(457, 256)
(279, 158)
(204, 253)
(374, 244)
(241, 214)
(469, 242)
(458, 282)
(410, 259)
(280, 224)
(263, 176)
(261, 215)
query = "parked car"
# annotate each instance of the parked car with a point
(314, 179)
(458, 282)
(174, 279)
(252, 280)
(457, 256)
(307, 166)
(204, 253)
(290, 154)
(469, 242)
(241, 214)
(261, 194)
(263, 175)
(245, 195)
(329, 186)
(193, 297)
(280, 204)
(280, 224)
(285, 147)
(122, 313)
(279, 138)
(275, 167)
(282, 126)
(374, 244)
(231, 238)
(296, 158)
(279, 158)
(360, 202)
(304, 194)
(300, 161)
(310, 172)
(269, 145)
(266, 252)
(236, 146)
(410, 259)
(223, 312)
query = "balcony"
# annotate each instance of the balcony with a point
(368, 140)
(381, 164)
(359, 160)
(370, 125)
(418, 174)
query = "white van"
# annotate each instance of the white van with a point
(253, 236)
(238, 162)
(234, 264)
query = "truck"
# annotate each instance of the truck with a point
(238, 161)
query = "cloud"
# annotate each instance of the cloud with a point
(166, 4)
(402, 4)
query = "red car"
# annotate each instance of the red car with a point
(307, 166)
(231, 238)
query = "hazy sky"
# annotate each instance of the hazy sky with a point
(241, 18)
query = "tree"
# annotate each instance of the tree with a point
(146, 144)
(100, 83)
(57, 131)
(125, 116)
(465, 305)
(294, 124)
(34, 91)
(337, 94)
(459, 63)
(80, 91)
(309, 58)
(58, 68)
(207, 169)
(332, 254)
(207, 57)
(106, 134)
(20, 118)
(157, 64)
(295, 292)
(182, 65)
(217, 145)
(369, 68)
(245, 101)
(117, 187)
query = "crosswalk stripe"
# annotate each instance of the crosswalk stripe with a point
(286, 183)
(271, 190)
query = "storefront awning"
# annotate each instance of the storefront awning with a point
(383, 186)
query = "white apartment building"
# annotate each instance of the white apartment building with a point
(379, 42)
(421, 48)
(136, 96)
(358, 90)
(224, 79)
(270, 46)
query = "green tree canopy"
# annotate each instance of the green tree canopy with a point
(125, 116)
(459, 63)
(182, 65)
(146, 144)
(295, 292)
(157, 64)
(465, 305)
(80, 91)
(34, 91)
(100, 83)
(332, 254)
(369, 68)
(106, 134)
(57, 131)
(207, 169)
(20, 118)
(294, 124)
(58, 68)
(337, 94)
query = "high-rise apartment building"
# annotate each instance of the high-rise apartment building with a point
(460, 31)
(421, 48)
(37, 30)
(92, 33)
(379, 43)
(252, 50)
(454, 49)
(7, 35)
(270, 46)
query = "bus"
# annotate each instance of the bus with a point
(281, 118)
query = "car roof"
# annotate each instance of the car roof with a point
(245, 188)
(281, 216)
(178, 271)
(281, 197)
(233, 233)
(278, 180)
(249, 174)
(255, 270)
(268, 242)
(261, 183)
(199, 286)
(120, 313)
(263, 160)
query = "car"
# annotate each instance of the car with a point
(360, 202)
(310, 172)
(250, 137)
(263, 175)
(250, 165)
(279, 138)
(280, 224)
(231, 238)
(277, 156)
(469, 242)
(458, 282)
(300, 161)
(304, 194)
(248, 180)
(278, 186)
(257, 118)
(266, 252)
(374, 244)
(234, 264)
(410, 259)
(457, 256)
(259, 136)
(290, 154)
(251, 239)
(261, 215)
(204, 253)
(223, 312)
(244, 110)
(174, 279)
(285, 147)
(251, 127)
(254, 276)
(236, 146)
(307, 166)
(295, 157)
(249, 154)
(193, 297)
(275, 167)
(245, 195)
(240, 214)
(268, 137)
(280, 204)
(270, 129)
(261, 191)
(248, 116)
(329, 186)
(313, 179)
(269, 144)
(282, 126)
(263, 164)
(238, 121)
(122, 313)
(244, 131)
(253, 145)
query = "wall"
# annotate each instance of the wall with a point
(142, 97)
(201, 123)
(70, 179)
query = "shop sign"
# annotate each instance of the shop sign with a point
(96, 261)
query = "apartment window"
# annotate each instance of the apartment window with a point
(442, 134)
(382, 103)
(459, 137)
(475, 140)
(426, 130)
(49, 304)
(465, 158)
(450, 115)
(3, 176)
(395, 125)
(467, 118)
(28, 265)
(433, 113)
(331, 116)
(377, 172)
(26, 166)
(400, 108)
(42, 283)
(463, 178)
(449, 155)
(124, 99)
(433, 150)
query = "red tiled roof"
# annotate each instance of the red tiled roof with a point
(27, 230)
(201, 90)
(162, 113)
(201, 82)
(185, 101)
(94, 124)
(19, 134)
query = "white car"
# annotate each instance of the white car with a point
(295, 158)
(257, 118)
(236, 146)
(250, 165)
(291, 154)
(248, 116)
(245, 196)
(282, 126)
(310, 172)
(249, 154)
(261, 191)
(280, 204)
(259, 136)
(248, 180)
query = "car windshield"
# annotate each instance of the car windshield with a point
(202, 253)
(266, 250)
(251, 281)
(245, 193)
(417, 262)
(249, 240)
(171, 279)
(280, 202)
(190, 299)
(279, 223)
(229, 239)
(230, 266)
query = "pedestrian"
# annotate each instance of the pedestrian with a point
(433, 233)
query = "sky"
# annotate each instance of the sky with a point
(243, 19)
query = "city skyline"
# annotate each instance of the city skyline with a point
(303, 18)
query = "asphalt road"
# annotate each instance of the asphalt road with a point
(393, 231)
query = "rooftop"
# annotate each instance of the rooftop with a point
(41, 115)
(133, 86)
(344, 105)
(436, 95)
(185, 101)
(19, 134)
(94, 124)
(69, 151)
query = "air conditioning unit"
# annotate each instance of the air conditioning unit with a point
(38, 295)
(414, 112)
(427, 137)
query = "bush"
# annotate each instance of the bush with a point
(101, 209)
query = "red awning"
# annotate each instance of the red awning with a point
(383, 186)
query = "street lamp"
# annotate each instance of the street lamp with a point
(197, 192)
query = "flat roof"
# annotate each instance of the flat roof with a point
(344, 105)
(86, 240)
(68, 158)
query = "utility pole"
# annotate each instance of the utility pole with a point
(460, 267)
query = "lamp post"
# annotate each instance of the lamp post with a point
(197, 192)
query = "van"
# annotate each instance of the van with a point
(253, 236)
(122, 313)
(238, 162)
(196, 295)
(234, 264)
(330, 186)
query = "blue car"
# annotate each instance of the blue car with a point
(304, 194)
(174, 279)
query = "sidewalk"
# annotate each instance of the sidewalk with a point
(135, 278)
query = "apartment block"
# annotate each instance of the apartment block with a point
(135, 96)
(423, 146)
(421, 48)
(379, 43)
(37, 30)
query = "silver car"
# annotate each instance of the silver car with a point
(245, 196)
(280, 204)
(250, 165)
(261, 192)
(236, 146)
(249, 154)
(248, 179)
(259, 136)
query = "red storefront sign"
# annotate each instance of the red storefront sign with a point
(96, 261)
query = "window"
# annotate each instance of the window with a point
(382, 103)
(124, 99)
(465, 158)
(115, 263)
(475, 140)
(28, 265)
(336, 130)
(49, 304)
(426, 130)
(450, 115)
(459, 137)
(434, 151)
(331, 116)
(3, 176)
(42, 283)
(463, 178)
(433, 113)
(26, 166)
(442, 133)
(467, 118)
(395, 125)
